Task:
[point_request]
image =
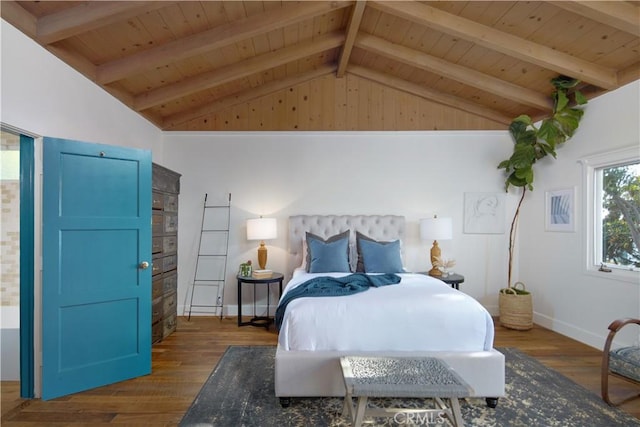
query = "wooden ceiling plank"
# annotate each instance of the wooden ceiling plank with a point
(525, 18)
(232, 72)
(431, 95)
(276, 39)
(413, 36)
(213, 39)
(320, 24)
(399, 30)
(259, 66)
(369, 19)
(352, 31)
(20, 18)
(235, 11)
(624, 55)
(131, 36)
(617, 14)
(214, 12)
(291, 37)
(173, 19)
(195, 15)
(629, 74)
(453, 71)
(503, 42)
(88, 16)
(173, 121)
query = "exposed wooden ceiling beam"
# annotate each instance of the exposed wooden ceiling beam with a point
(453, 71)
(429, 94)
(216, 38)
(352, 31)
(629, 74)
(236, 71)
(617, 14)
(174, 120)
(17, 16)
(88, 16)
(500, 41)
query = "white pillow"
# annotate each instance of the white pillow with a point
(303, 265)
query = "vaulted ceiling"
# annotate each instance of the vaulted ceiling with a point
(318, 65)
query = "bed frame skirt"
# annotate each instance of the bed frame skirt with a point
(318, 373)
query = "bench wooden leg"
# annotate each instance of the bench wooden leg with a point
(347, 408)
(457, 414)
(452, 411)
(362, 406)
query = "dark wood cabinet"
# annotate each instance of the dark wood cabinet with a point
(164, 250)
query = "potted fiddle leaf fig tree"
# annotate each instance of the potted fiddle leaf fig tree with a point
(533, 142)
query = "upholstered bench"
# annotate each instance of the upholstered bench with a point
(405, 377)
(622, 362)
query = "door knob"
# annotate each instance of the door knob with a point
(143, 265)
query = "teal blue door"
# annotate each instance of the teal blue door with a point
(96, 285)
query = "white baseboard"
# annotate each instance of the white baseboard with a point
(493, 310)
(571, 331)
(228, 310)
(10, 346)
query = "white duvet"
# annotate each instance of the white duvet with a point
(420, 313)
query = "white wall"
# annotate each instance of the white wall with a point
(9, 343)
(415, 174)
(42, 95)
(567, 298)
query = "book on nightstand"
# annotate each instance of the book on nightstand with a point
(262, 274)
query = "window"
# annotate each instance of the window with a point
(612, 205)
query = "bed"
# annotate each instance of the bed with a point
(420, 316)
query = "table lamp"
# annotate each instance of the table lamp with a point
(435, 229)
(262, 229)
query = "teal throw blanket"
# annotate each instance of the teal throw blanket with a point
(325, 286)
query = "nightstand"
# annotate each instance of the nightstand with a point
(453, 280)
(264, 321)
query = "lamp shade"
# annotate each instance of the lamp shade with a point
(262, 229)
(436, 229)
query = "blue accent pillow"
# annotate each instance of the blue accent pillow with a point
(359, 237)
(381, 257)
(331, 255)
(310, 236)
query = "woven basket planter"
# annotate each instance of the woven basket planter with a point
(516, 308)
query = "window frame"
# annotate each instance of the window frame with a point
(591, 165)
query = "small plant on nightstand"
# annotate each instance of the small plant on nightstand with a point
(444, 265)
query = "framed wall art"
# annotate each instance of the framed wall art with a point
(560, 210)
(484, 213)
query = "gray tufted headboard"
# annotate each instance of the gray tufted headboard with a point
(379, 227)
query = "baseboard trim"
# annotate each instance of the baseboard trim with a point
(571, 331)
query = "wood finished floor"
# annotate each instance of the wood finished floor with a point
(183, 362)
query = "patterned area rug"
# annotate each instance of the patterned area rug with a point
(240, 392)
